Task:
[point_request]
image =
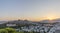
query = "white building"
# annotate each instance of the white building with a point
(55, 29)
(11, 25)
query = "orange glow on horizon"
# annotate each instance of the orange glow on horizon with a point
(28, 18)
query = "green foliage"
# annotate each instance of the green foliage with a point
(10, 30)
(3, 31)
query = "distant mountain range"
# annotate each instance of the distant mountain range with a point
(1, 22)
(29, 22)
(50, 21)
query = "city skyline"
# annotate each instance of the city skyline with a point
(34, 10)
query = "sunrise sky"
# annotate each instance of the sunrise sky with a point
(29, 9)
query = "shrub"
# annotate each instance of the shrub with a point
(3, 31)
(10, 30)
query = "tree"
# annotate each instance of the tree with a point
(3, 31)
(10, 30)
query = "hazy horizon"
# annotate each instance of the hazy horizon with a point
(34, 10)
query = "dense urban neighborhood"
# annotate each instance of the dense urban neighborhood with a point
(25, 26)
(29, 16)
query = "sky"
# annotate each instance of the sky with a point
(29, 9)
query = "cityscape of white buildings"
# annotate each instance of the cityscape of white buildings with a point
(38, 27)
